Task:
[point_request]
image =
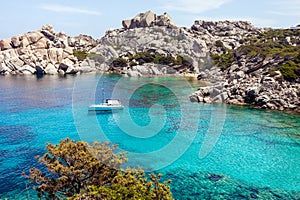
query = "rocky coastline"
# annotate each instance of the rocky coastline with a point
(42, 52)
(220, 53)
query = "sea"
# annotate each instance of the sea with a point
(209, 151)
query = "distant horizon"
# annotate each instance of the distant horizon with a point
(94, 19)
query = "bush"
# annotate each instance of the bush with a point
(142, 57)
(132, 63)
(290, 71)
(96, 57)
(224, 60)
(80, 55)
(77, 170)
(120, 62)
(164, 60)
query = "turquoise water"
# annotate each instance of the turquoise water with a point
(209, 151)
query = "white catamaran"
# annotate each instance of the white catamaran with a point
(108, 105)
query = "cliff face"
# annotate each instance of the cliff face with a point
(42, 52)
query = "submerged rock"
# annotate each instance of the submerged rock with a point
(215, 177)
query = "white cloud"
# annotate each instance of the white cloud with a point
(193, 6)
(68, 9)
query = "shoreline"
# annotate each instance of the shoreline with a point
(188, 76)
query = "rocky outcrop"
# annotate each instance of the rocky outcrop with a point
(248, 82)
(264, 74)
(148, 19)
(42, 52)
(224, 28)
(148, 32)
(262, 92)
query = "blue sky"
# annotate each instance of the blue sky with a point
(94, 17)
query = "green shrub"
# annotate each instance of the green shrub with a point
(132, 63)
(142, 57)
(290, 71)
(179, 59)
(96, 57)
(120, 62)
(80, 55)
(224, 60)
(77, 170)
(164, 60)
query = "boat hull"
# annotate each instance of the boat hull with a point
(105, 108)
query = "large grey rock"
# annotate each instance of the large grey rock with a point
(24, 41)
(165, 20)
(133, 74)
(4, 69)
(16, 62)
(5, 44)
(126, 23)
(27, 69)
(34, 36)
(64, 66)
(43, 43)
(148, 19)
(86, 67)
(51, 69)
(39, 70)
(16, 41)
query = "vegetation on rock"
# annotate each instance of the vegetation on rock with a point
(145, 57)
(281, 46)
(77, 170)
(82, 55)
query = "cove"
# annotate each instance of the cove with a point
(256, 153)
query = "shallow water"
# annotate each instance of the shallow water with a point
(209, 151)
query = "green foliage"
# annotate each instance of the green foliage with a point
(269, 48)
(140, 58)
(269, 44)
(224, 60)
(79, 171)
(290, 71)
(129, 184)
(132, 63)
(120, 62)
(74, 166)
(179, 60)
(96, 57)
(80, 55)
(143, 57)
(164, 60)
